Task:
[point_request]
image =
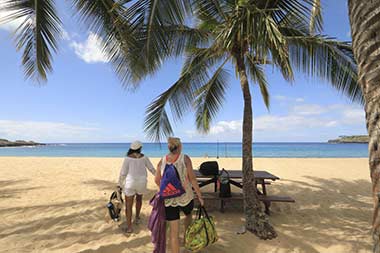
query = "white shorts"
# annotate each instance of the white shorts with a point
(134, 188)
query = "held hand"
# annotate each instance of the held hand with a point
(201, 201)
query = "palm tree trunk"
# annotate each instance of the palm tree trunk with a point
(255, 219)
(365, 27)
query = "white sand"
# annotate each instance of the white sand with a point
(58, 205)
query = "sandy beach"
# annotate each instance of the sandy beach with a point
(58, 205)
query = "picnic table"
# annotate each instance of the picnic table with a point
(262, 178)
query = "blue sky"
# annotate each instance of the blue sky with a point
(83, 101)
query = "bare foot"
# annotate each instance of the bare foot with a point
(137, 220)
(128, 230)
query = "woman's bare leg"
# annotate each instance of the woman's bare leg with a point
(174, 235)
(138, 206)
(187, 222)
(129, 205)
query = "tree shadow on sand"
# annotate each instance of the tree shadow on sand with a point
(13, 188)
(110, 186)
(327, 212)
(103, 185)
(74, 223)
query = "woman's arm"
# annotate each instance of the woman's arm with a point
(157, 177)
(149, 166)
(193, 179)
(123, 173)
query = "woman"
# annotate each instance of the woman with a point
(185, 202)
(133, 180)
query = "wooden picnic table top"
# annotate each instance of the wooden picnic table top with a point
(237, 174)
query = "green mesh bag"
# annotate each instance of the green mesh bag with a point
(201, 232)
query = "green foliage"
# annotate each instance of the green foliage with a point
(37, 34)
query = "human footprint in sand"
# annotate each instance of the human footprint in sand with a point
(133, 181)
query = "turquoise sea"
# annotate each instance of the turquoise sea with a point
(193, 149)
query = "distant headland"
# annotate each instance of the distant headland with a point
(351, 139)
(18, 143)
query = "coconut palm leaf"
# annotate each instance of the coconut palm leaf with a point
(279, 9)
(157, 123)
(211, 10)
(257, 75)
(322, 57)
(316, 20)
(181, 94)
(133, 33)
(158, 22)
(37, 35)
(210, 97)
(328, 60)
(109, 22)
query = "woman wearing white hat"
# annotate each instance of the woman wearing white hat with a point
(133, 180)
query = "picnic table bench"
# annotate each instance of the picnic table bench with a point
(236, 176)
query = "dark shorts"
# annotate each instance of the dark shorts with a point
(172, 212)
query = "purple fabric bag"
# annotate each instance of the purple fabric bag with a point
(157, 224)
(171, 185)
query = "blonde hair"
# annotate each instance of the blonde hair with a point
(173, 143)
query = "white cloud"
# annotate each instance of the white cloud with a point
(280, 97)
(223, 127)
(90, 50)
(354, 115)
(303, 122)
(10, 26)
(290, 123)
(66, 35)
(308, 109)
(45, 131)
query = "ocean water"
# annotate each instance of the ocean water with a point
(305, 150)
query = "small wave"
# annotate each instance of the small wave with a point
(56, 144)
(15, 147)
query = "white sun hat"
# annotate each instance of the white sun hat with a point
(136, 145)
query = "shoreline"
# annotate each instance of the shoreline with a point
(195, 157)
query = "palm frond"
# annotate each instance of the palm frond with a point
(159, 23)
(278, 49)
(255, 31)
(316, 20)
(107, 19)
(257, 74)
(157, 124)
(327, 59)
(211, 10)
(301, 9)
(177, 38)
(181, 94)
(210, 97)
(37, 35)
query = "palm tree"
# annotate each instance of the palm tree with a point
(249, 35)
(365, 24)
(139, 35)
